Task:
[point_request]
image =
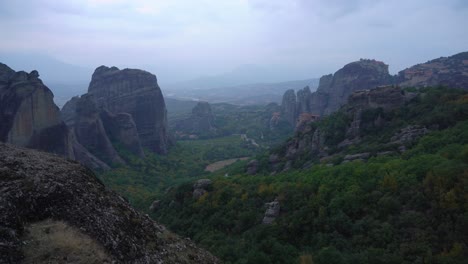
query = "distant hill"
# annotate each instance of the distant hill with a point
(246, 94)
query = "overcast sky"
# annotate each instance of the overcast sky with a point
(183, 39)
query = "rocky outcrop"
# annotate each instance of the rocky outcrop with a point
(272, 212)
(68, 111)
(28, 114)
(38, 186)
(309, 141)
(155, 205)
(288, 107)
(409, 134)
(90, 132)
(137, 93)
(333, 90)
(447, 71)
(359, 75)
(385, 98)
(201, 121)
(201, 187)
(122, 129)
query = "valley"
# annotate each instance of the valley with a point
(366, 168)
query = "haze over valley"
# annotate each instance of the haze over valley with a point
(240, 131)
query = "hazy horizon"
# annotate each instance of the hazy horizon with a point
(272, 40)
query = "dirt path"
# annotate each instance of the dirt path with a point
(221, 164)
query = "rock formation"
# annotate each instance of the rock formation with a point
(28, 114)
(201, 187)
(289, 107)
(447, 71)
(90, 132)
(122, 129)
(201, 121)
(272, 212)
(310, 140)
(333, 90)
(137, 93)
(38, 186)
(359, 75)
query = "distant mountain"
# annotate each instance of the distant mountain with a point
(244, 74)
(246, 94)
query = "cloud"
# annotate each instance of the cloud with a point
(207, 37)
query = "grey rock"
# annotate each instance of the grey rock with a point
(122, 129)
(135, 92)
(202, 184)
(288, 107)
(447, 71)
(200, 187)
(409, 134)
(28, 114)
(50, 187)
(272, 212)
(155, 205)
(359, 156)
(90, 132)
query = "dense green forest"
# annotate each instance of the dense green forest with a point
(251, 120)
(144, 179)
(409, 207)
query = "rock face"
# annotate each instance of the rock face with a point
(90, 132)
(122, 129)
(38, 186)
(201, 121)
(310, 140)
(28, 114)
(333, 90)
(288, 107)
(201, 187)
(272, 212)
(137, 93)
(359, 75)
(447, 71)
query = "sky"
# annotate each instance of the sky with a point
(183, 39)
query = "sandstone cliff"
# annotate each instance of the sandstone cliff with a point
(137, 93)
(37, 186)
(28, 114)
(447, 71)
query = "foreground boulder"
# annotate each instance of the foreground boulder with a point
(37, 186)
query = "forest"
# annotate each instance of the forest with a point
(401, 208)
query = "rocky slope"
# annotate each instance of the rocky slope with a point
(38, 186)
(447, 71)
(28, 115)
(137, 93)
(366, 110)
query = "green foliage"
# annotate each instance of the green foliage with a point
(144, 179)
(408, 208)
(401, 208)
